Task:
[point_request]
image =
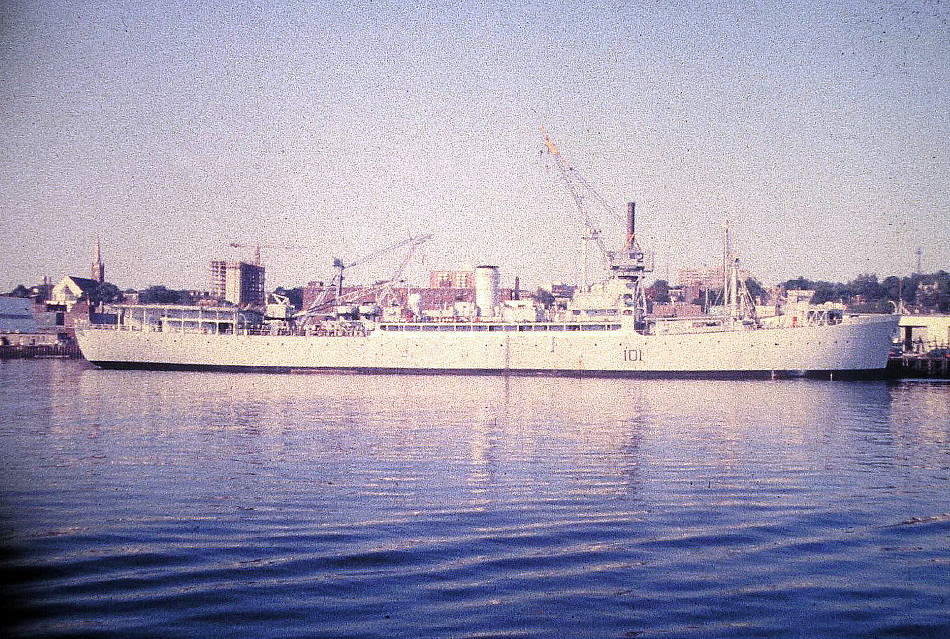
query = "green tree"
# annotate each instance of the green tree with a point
(797, 284)
(755, 289)
(943, 296)
(831, 292)
(909, 294)
(867, 286)
(104, 293)
(661, 291)
(545, 297)
(892, 286)
(159, 295)
(19, 291)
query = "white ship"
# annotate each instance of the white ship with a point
(853, 346)
(607, 333)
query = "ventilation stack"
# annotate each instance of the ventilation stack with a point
(487, 297)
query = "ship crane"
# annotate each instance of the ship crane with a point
(412, 243)
(631, 263)
(583, 194)
(383, 289)
(338, 263)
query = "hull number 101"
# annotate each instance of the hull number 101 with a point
(632, 355)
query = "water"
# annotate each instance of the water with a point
(145, 504)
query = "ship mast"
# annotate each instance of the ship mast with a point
(728, 272)
(737, 304)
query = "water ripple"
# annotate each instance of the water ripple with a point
(317, 506)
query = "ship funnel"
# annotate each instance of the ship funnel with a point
(486, 290)
(631, 218)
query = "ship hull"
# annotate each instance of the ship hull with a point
(840, 374)
(854, 349)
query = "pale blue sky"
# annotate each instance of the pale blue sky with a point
(821, 129)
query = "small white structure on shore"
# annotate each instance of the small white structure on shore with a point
(921, 333)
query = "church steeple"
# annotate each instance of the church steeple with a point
(98, 268)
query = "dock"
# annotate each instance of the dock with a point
(40, 351)
(915, 365)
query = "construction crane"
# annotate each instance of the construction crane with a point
(257, 249)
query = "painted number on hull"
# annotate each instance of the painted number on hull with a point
(632, 355)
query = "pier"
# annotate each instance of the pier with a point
(911, 365)
(40, 351)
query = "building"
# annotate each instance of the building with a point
(98, 268)
(19, 325)
(452, 279)
(237, 282)
(705, 277)
(69, 302)
(69, 290)
(928, 293)
(41, 292)
(16, 315)
(922, 333)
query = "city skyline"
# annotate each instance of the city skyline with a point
(170, 132)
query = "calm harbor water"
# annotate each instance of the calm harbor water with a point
(147, 504)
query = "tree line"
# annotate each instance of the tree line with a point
(866, 292)
(922, 292)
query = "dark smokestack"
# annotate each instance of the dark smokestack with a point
(631, 218)
(517, 291)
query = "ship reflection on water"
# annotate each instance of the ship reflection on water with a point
(184, 504)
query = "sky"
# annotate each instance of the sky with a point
(820, 130)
